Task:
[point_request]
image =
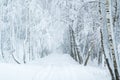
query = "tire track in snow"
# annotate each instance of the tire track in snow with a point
(42, 75)
(51, 75)
(62, 71)
(70, 73)
(35, 76)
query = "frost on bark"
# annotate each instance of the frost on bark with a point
(74, 49)
(106, 59)
(89, 53)
(15, 59)
(111, 37)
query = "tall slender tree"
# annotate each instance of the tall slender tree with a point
(111, 37)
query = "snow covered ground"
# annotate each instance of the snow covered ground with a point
(52, 67)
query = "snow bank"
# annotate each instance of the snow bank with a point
(52, 67)
(56, 59)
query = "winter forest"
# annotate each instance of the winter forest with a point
(59, 39)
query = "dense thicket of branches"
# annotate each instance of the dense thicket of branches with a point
(87, 30)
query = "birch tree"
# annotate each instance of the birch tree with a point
(111, 37)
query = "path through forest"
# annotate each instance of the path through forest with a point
(52, 67)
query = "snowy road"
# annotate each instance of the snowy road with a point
(52, 67)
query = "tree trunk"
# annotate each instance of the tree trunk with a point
(103, 51)
(89, 53)
(111, 37)
(15, 59)
(2, 45)
(74, 50)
